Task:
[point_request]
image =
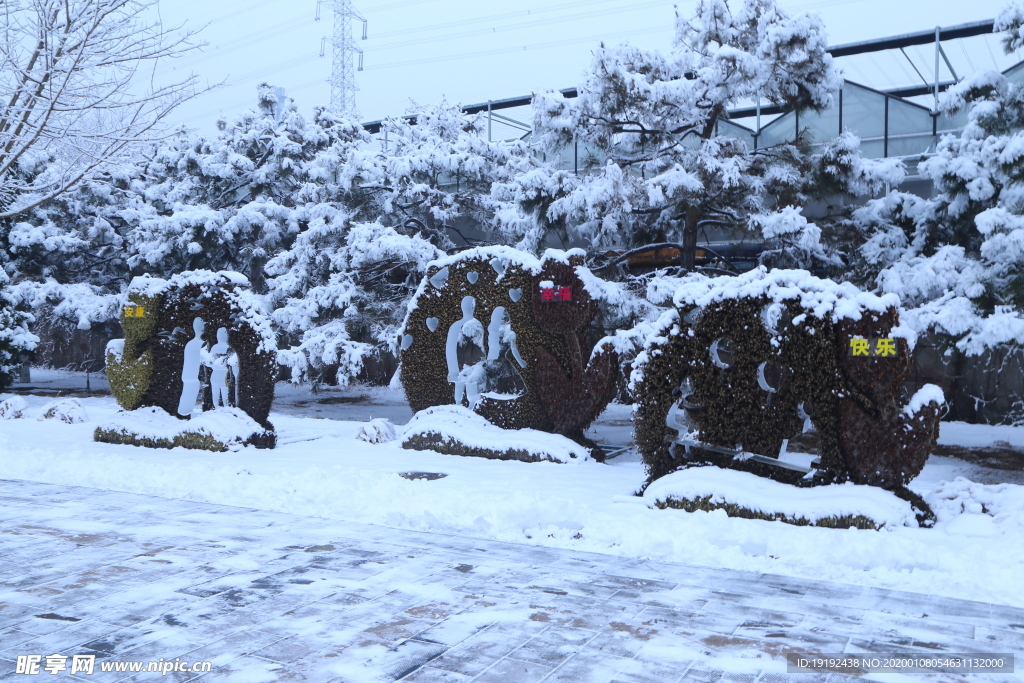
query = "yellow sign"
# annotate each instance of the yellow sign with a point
(885, 347)
(134, 311)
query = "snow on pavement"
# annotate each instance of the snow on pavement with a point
(976, 551)
(267, 596)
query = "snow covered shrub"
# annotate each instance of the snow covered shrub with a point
(13, 408)
(757, 359)
(68, 411)
(340, 293)
(377, 430)
(221, 429)
(457, 430)
(129, 436)
(744, 495)
(225, 323)
(709, 502)
(1003, 503)
(506, 332)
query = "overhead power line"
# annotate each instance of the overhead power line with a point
(497, 17)
(522, 25)
(271, 69)
(295, 24)
(244, 10)
(242, 41)
(298, 61)
(395, 5)
(220, 5)
(517, 48)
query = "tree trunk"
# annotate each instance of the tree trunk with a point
(25, 372)
(689, 255)
(257, 277)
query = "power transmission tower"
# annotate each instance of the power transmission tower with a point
(343, 49)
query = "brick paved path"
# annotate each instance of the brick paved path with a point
(269, 596)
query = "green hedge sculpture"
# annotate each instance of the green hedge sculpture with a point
(755, 360)
(506, 333)
(145, 368)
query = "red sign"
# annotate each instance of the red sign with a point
(556, 293)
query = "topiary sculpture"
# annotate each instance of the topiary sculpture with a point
(146, 367)
(506, 333)
(755, 360)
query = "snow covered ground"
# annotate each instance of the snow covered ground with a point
(975, 552)
(272, 597)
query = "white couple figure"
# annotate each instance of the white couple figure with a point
(469, 380)
(222, 357)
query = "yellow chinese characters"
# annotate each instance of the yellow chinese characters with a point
(885, 347)
(134, 311)
(860, 347)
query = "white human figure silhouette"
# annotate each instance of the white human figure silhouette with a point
(190, 369)
(466, 380)
(220, 360)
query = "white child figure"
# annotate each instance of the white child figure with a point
(221, 357)
(190, 369)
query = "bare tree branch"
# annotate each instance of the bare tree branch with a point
(75, 99)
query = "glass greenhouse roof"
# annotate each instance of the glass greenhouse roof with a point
(887, 100)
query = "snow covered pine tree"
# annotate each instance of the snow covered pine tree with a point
(15, 339)
(370, 224)
(957, 259)
(662, 162)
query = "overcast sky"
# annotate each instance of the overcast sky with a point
(463, 51)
